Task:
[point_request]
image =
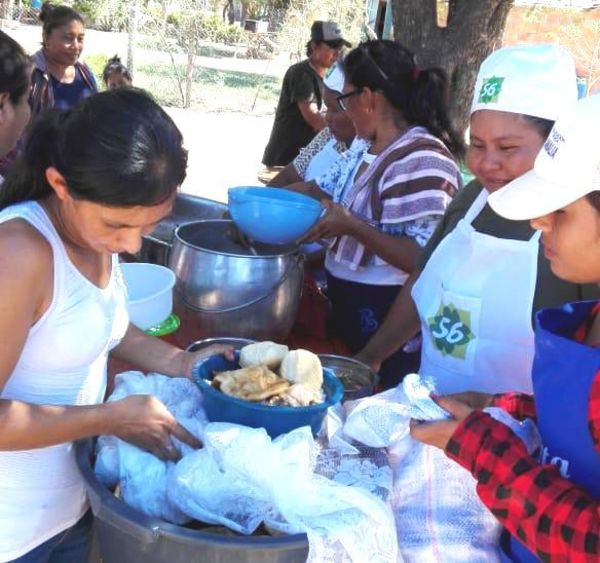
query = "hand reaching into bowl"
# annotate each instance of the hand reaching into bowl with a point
(145, 422)
(190, 359)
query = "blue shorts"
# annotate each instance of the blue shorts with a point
(72, 545)
(358, 310)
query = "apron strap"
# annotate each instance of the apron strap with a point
(477, 206)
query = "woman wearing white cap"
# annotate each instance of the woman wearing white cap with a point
(484, 276)
(332, 141)
(392, 197)
(550, 505)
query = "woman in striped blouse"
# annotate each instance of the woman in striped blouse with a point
(395, 195)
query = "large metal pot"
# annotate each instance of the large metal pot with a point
(157, 245)
(224, 288)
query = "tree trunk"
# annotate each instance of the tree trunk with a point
(189, 73)
(132, 31)
(473, 30)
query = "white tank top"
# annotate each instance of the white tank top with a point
(63, 362)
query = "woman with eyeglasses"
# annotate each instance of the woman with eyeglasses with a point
(394, 195)
(60, 80)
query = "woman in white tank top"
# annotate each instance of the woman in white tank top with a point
(92, 181)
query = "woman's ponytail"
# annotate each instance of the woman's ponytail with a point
(420, 95)
(27, 179)
(428, 107)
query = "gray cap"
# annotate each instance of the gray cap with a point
(328, 32)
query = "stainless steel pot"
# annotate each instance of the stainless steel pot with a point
(224, 288)
(187, 208)
(237, 343)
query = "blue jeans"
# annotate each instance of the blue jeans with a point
(72, 545)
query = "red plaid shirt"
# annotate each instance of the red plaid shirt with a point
(556, 519)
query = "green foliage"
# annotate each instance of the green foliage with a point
(213, 90)
(105, 15)
(97, 63)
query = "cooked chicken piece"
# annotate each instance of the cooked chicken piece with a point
(275, 390)
(249, 380)
(265, 353)
(299, 395)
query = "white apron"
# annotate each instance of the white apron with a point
(322, 161)
(475, 299)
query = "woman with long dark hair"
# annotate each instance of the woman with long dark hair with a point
(90, 183)
(390, 198)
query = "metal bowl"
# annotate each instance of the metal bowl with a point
(237, 343)
(359, 380)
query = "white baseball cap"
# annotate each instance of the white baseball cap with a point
(334, 78)
(537, 80)
(566, 169)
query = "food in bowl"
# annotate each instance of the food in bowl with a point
(275, 419)
(299, 382)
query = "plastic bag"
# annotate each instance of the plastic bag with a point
(141, 475)
(242, 478)
(438, 515)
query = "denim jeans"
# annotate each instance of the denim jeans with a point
(72, 545)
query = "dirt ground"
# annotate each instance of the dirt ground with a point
(225, 149)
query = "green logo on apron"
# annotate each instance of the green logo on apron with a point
(490, 90)
(450, 331)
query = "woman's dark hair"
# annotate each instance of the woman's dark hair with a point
(541, 125)
(15, 68)
(56, 16)
(310, 45)
(594, 199)
(117, 148)
(421, 95)
(115, 66)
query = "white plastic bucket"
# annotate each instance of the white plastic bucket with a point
(149, 293)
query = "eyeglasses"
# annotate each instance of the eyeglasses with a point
(341, 100)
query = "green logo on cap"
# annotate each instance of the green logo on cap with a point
(490, 90)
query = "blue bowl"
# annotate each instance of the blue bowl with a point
(272, 215)
(276, 420)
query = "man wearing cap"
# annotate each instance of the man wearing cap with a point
(548, 500)
(298, 117)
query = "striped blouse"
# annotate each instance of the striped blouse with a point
(415, 177)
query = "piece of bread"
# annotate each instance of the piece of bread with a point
(304, 367)
(265, 353)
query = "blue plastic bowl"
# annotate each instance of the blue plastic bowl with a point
(276, 420)
(272, 215)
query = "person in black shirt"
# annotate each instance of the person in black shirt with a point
(297, 119)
